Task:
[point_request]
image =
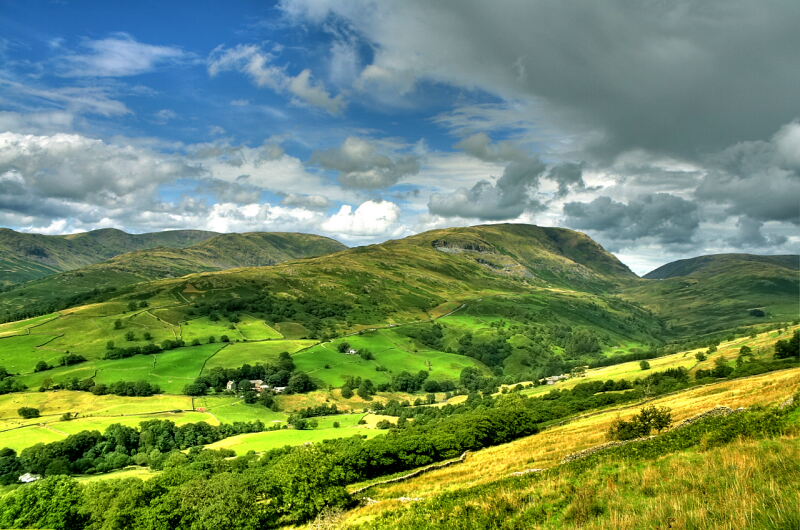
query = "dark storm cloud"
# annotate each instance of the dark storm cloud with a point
(506, 199)
(567, 175)
(661, 216)
(677, 76)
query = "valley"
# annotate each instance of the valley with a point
(517, 343)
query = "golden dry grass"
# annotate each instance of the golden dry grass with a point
(549, 447)
(762, 346)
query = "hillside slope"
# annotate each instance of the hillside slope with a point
(30, 256)
(219, 252)
(711, 293)
(717, 263)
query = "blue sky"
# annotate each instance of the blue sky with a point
(661, 131)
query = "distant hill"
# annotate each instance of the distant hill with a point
(25, 257)
(716, 292)
(717, 262)
(221, 251)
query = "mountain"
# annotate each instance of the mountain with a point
(719, 263)
(716, 292)
(222, 251)
(30, 256)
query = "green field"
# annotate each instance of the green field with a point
(391, 350)
(254, 329)
(264, 441)
(228, 409)
(171, 370)
(20, 353)
(240, 353)
(203, 328)
(292, 330)
(16, 328)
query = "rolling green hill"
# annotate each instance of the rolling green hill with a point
(221, 251)
(719, 263)
(30, 256)
(711, 293)
(516, 301)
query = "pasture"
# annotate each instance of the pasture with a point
(237, 354)
(20, 353)
(171, 370)
(264, 441)
(391, 350)
(24, 326)
(254, 329)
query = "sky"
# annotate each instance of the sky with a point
(663, 129)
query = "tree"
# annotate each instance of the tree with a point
(118, 324)
(700, 356)
(649, 419)
(54, 502)
(28, 412)
(147, 335)
(195, 389)
(130, 336)
(224, 338)
(366, 389)
(343, 347)
(644, 365)
(789, 347)
(132, 306)
(299, 383)
(745, 350)
(347, 392)
(41, 366)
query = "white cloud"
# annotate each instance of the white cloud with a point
(361, 165)
(118, 56)
(307, 91)
(371, 218)
(257, 64)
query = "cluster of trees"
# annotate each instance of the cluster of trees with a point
(649, 419)
(141, 388)
(119, 446)
(28, 412)
(280, 373)
(785, 349)
(115, 352)
(67, 360)
(7, 382)
(312, 312)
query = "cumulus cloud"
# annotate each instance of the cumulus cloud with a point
(312, 202)
(759, 179)
(507, 198)
(749, 235)
(480, 145)
(371, 218)
(665, 218)
(74, 167)
(257, 64)
(361, 165)
(118, 56)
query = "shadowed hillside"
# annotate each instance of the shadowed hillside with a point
(711, 293)
(31, 256)
(222, 251)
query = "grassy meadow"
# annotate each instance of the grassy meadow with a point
(483, 470)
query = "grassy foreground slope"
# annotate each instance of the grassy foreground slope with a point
(742, 485)
(711, 293)
(30, 256)
(223, 251)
